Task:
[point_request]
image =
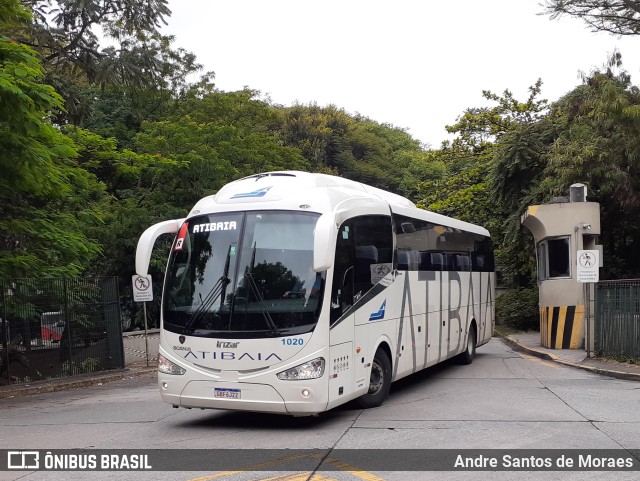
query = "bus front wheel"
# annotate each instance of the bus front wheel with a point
(379, 382)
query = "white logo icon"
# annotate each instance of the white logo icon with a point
(23, 460)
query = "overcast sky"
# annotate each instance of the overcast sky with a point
(415, 64)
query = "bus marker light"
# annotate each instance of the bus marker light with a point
(358, 350)
(181, 236)
(305, 393)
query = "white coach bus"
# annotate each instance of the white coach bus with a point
(290, 292)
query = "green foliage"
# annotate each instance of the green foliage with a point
(136, 199)
(358, 148)
(91, 364)
(477, 126)
(139, 69)
(45, 200)
(463, 191)
(316, 132)
(488, 174)
(214, 140)
(599, 144)
(518, 309)
(145, 81)
(12, 15)
(130, 142)
(421, 167)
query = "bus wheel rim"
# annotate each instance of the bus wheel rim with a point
(377, 378)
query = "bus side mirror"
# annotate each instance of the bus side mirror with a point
(324, 236)
(148, 239)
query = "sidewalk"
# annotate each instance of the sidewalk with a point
(529, 342)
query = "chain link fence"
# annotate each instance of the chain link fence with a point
(52, 328)
(617, 329)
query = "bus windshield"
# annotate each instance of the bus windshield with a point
(243, 275)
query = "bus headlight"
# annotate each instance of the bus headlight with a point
(308, 370)
(167, 367)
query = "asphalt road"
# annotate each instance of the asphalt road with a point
(504, 400)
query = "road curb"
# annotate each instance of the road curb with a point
(74, 382)
(628, 376)
(523, 347)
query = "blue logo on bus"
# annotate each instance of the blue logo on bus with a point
(255, 193)
(376, 316)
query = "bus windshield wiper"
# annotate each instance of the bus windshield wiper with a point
(218, 290)
(256, 293)
(263, 308)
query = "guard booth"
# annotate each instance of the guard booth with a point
(562, 228)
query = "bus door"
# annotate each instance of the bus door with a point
(341, 335)
(363, 259)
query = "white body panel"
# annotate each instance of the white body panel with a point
(421, 317)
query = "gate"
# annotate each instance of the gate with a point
(617, 329)
(52, 328)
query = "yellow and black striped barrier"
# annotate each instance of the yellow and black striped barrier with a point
(561, 327)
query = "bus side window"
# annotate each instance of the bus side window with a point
(374, 246)
(362, 242)
(342, 290)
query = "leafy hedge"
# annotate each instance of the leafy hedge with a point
(518, 308)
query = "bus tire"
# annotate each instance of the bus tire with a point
(379, 381)
(470, 352)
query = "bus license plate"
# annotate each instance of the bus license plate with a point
(226, 393)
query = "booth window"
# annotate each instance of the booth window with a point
(553, 259)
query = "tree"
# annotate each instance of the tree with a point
(620, 17)
(46, 202)
(487, 175)
(599, 144)
(356, 147)
(63, 31)
(463, 194)
(139, 66)
(317, 132)
(591, 135)
(213, 140)
(478, 126)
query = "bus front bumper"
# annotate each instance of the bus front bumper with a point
(242, 396)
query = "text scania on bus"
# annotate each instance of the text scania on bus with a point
(291, 292)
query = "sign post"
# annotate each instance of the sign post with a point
(588, 272)
(143, 292)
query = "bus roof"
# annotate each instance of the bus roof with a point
(296, 190)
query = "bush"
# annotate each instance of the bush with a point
(518, 308)
(91, 364)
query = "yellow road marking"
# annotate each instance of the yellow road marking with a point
(540, 361)
(253, 467)
(342, 466)
(300, 477)
(359, 473)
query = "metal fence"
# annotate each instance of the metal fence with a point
(52, 328)
(617, 328)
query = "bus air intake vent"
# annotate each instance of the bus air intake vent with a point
(271, 174)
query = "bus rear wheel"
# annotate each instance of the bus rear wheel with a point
(379, 382)
(467, 356)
